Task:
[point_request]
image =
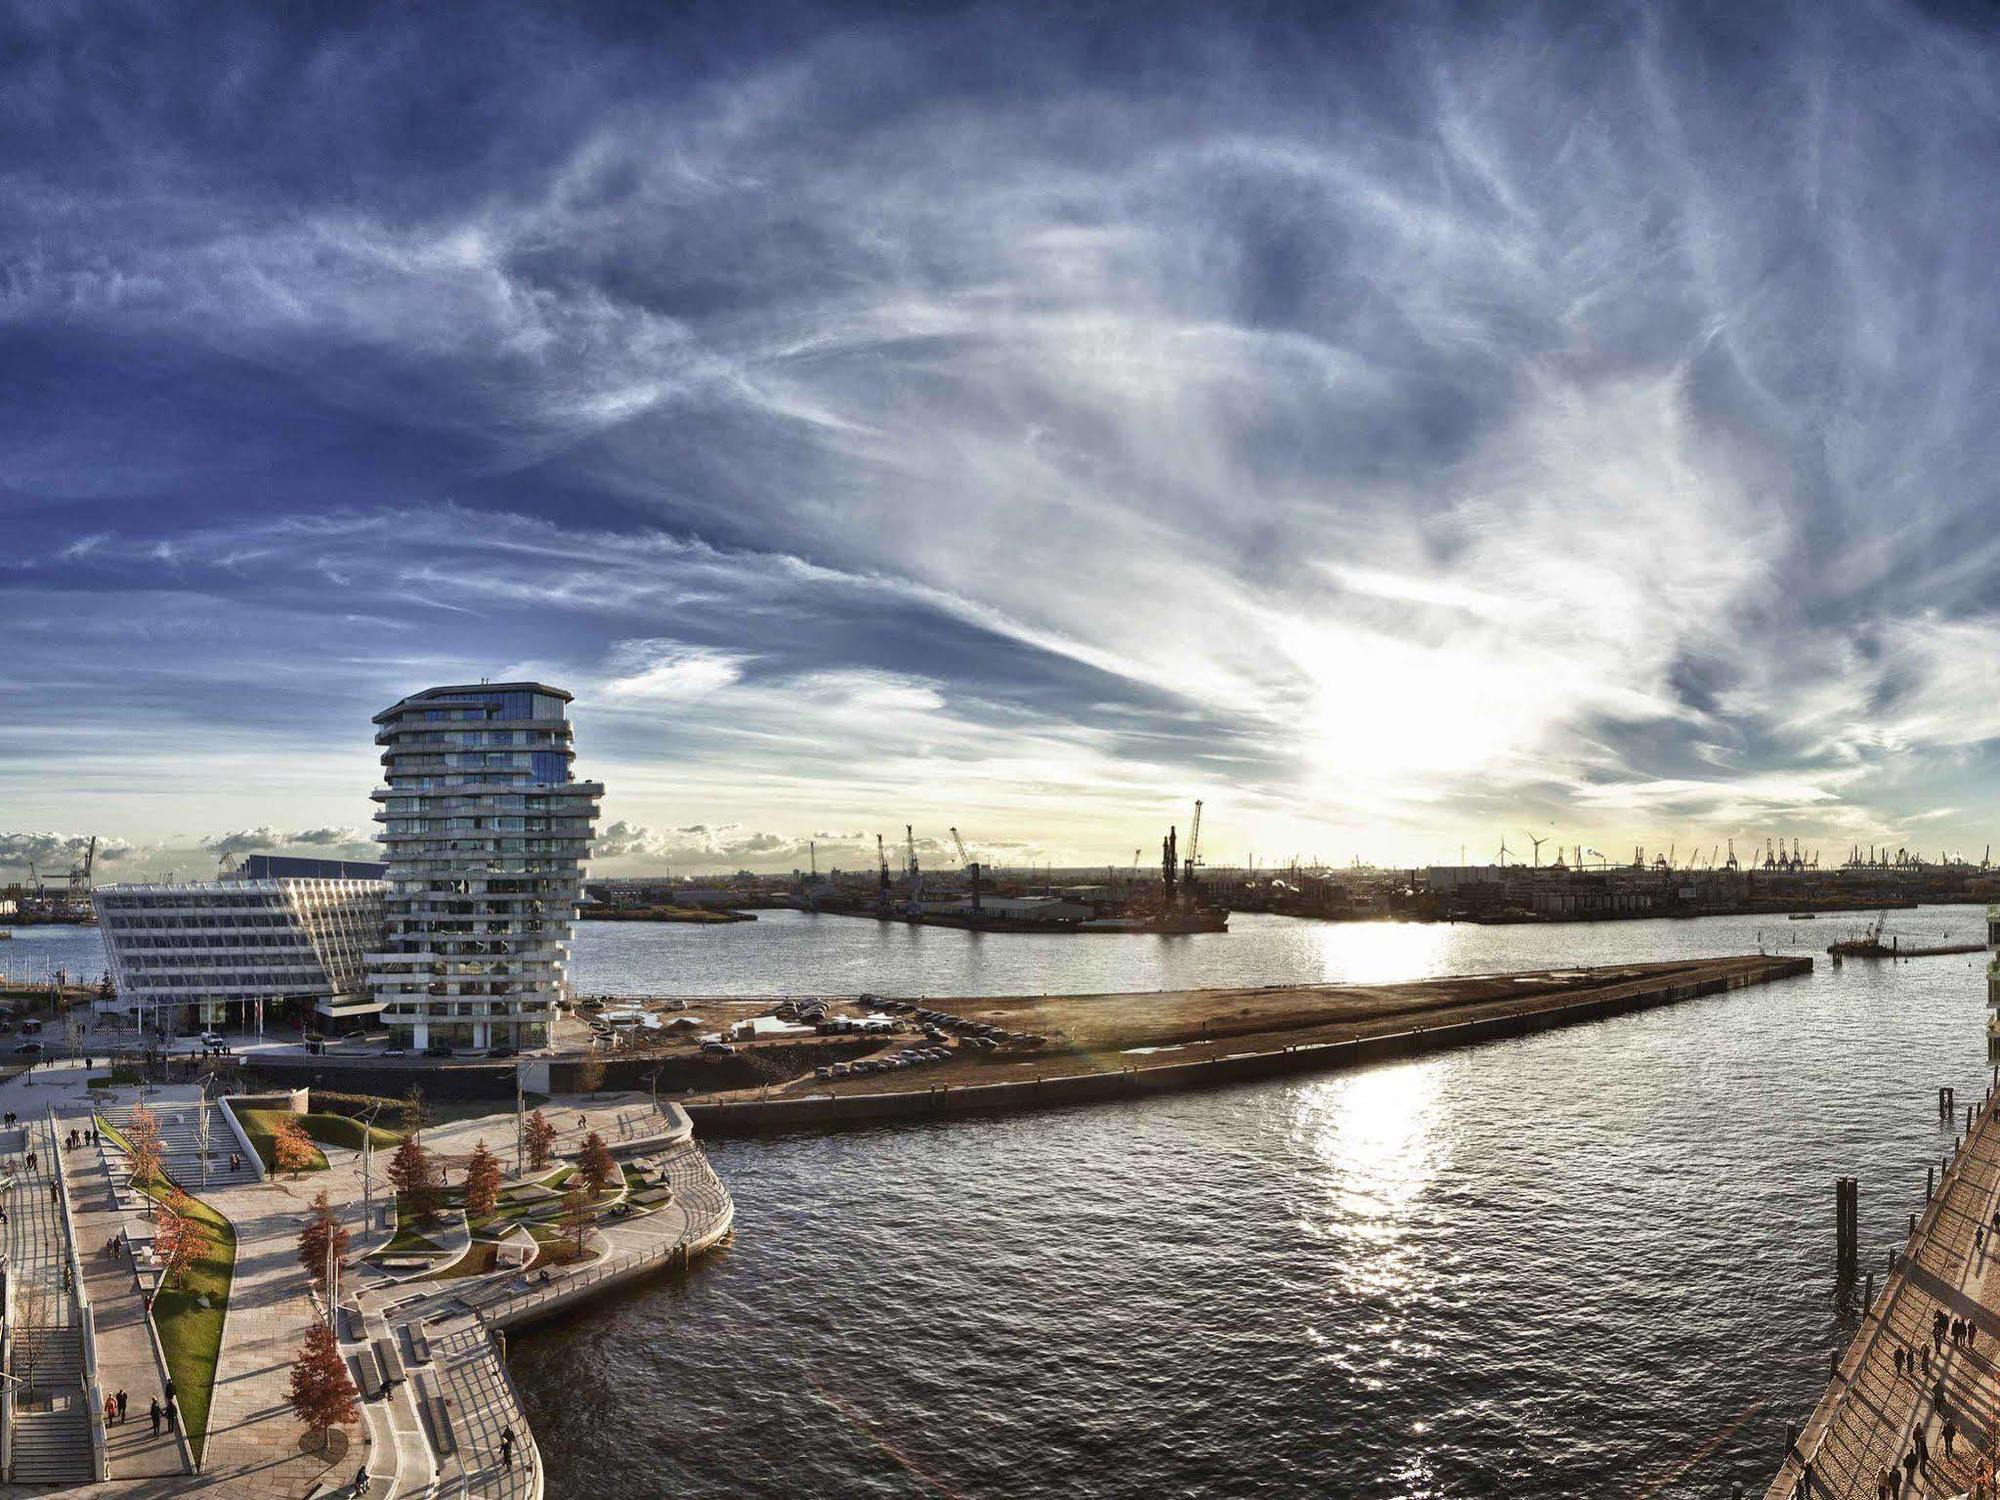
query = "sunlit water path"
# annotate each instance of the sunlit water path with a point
(1551, 1267)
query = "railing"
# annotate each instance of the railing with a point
(1876, 1317)
(86, 1319)
(7, 1364)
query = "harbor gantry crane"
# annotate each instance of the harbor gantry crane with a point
(882, 880)
(971, 868)
(916, 875)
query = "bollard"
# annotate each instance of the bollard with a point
(1846, 1220)
(1868, 1291)
(1930, 1186)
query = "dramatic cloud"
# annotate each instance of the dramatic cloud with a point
(264, 840)
(54, 853)
(1389, 425)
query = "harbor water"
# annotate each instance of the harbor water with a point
(1596, 1261)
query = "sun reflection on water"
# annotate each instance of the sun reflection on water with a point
(1375, 1136)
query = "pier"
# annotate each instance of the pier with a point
(1868, 1420)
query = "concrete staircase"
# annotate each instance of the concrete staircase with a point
(180, 1145)
(52, 1448)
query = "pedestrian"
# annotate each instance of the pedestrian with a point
(1899, 1360)
(1927, 1362)
(31, 1161)
(1910, 1469)
(360, 1485)
(1950, 1436)
(1971, 1333)
(173, 1416)
(121, 1407)
(156, 1416)
(1923, 1447)
(507, 1446)
(1937, 1393)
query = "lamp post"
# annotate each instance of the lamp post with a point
(367, 1163)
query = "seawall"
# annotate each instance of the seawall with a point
(747, 1116)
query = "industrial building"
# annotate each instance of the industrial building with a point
(487, 833)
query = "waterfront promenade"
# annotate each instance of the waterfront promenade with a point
(439, 1428)
(1866, 1423)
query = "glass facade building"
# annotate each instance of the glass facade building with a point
(185, 957)
(487, 833)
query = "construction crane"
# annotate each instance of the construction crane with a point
(971, 868)
(1169, 867)
(1193, 854)
(910, 866)
(882, 880)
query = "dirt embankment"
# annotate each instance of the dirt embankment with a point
(1113, 1033)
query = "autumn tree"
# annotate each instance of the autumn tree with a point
(576, 1218)
(142, 1134)
(541, 1138)
(321, 1395)
(415, 1176)
(589, 1073)
(594, 1164)
(322, 1236)
(416, 1114)
(482, 1182)
(179, 1238)
(292, 1149)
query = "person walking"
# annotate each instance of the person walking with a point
(1899, 1361)
(110, 1410)
(156, 1416)
(121, 1407)
(507, 1447)
(1950, 1434)
(173, 1416)
(1922, 1448)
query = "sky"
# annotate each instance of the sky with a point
(1408, 429)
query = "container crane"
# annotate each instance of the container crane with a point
(916, 875)
(882, 880)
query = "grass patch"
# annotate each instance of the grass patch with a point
(115, 1079)
(190, 1334)
(484, 1256)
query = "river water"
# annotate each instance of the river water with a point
(1598, 1261)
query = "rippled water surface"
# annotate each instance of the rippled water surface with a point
(1597, 1261)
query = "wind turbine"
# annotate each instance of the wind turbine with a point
(1504, 852)
(1538, 842)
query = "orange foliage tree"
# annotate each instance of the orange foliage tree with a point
(292, 1148)
(415, 1176)
(179, 1238)
(322, 1234)
(320, 1393)
(594, 1164)
(482, 1182)
(541, 1137)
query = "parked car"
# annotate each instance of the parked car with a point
(717, 1048)
(213, 1039)
(395, 1051)
(842, 1070)
(823, 1071)
(503, 1051)
(438, 1049)
(28, 1047)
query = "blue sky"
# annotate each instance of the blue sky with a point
(1403, 429)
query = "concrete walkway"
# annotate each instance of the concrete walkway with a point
(1866, 1421)
(125, 1357)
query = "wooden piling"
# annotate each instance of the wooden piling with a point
(1847, 1221)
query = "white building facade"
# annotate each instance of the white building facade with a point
(487, 834)
(190, 956)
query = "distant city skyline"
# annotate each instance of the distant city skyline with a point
(1398, 435)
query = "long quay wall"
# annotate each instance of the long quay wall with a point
(742, 1116)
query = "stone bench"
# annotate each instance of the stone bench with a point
(388, 1359)
(438, 1418)
(367, 1377)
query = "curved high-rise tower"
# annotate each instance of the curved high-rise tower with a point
(487, 833)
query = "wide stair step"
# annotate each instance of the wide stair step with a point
(53, 1447)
